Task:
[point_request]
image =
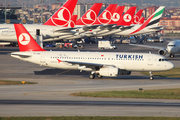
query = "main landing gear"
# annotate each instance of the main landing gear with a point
(151, 75)
(92, 75)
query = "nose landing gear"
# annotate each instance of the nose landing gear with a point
(151, 75)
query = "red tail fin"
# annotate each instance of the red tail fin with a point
(141, 21)
(63, 15)
(117, 15)
(137, 17)
(72, 22)
(25, 40)
(90, 16)
(127, 18)
(106, 15)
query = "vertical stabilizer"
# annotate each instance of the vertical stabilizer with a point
(63, 16)
(25, 41)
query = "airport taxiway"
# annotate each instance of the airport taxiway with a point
(51, 96)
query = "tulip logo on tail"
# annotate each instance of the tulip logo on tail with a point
(105, 18)
(127, 17)
(89, 18)
(115, 17)
(62, 17)
(24, 38)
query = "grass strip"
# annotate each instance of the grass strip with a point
(173, 73)
(147, 94)
(7, 82)
(89, 118)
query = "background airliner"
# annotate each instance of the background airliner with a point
(173, 47)
(57, 25)
(99, 63)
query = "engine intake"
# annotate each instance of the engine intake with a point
(162, 52)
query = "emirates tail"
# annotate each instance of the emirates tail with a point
(153, 20)
(137, 17)
(106, 15)
(25, 41)
(90, 16)
(62, 17)
(117, 15)
(127, 18)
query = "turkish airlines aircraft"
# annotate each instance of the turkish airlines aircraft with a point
(109, 64)
(54, 27)
(89, 27)
(172, 48)
(151, 25)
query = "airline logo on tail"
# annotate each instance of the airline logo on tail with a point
(25, 41)
(127, 17)
(105, 18)
(153, 20)
(136, 19)
(89, 18)
(62, 17)
(116, 17)
(24, 38)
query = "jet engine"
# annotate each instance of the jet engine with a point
(108, 71)
(162, 52)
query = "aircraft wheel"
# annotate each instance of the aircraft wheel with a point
(92, 76)
(151, 78)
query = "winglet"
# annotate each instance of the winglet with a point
(25, 41)
(63, 16)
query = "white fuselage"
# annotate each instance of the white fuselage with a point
(123, 61)
(173, 47)
(7, 32)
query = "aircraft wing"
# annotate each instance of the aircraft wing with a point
(90, 27)
(65, 29)
(148, 46)
(88, 65)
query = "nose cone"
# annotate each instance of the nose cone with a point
(171, 50)
(169, 66)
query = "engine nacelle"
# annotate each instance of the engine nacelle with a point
(162, 52)
(108, 71)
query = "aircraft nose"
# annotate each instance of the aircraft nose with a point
(169, 66)
(170, 50)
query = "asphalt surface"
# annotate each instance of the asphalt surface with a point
(51, 96)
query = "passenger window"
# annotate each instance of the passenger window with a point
(159, 59)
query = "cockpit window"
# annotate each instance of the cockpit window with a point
(171, 45)
(163, 59)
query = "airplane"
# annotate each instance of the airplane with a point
(109, 64)
(83, 24)
(104, 28)
(151, 25)
(173, 47)
(55, 26)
